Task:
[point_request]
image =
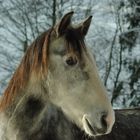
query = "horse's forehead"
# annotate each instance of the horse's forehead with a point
(57, 42)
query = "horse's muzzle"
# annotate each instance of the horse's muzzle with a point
(100, 127)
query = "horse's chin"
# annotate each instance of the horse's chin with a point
(89, 132)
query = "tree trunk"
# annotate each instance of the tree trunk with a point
(54, 13)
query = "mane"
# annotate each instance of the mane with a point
(74, 40)
(34, 60)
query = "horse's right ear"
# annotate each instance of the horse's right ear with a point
(64, 23)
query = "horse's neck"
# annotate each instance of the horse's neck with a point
(34, 118)
(22, 108)
(31, 90)
(50, 123)
(55, 126)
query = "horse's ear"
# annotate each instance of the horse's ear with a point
(64, 23)
(84, 26)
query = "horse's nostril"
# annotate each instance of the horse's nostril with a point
(103, 129)
(103, 120)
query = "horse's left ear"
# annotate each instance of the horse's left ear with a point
(64, 23)
(84, 26)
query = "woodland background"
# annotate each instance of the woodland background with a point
(114, 37)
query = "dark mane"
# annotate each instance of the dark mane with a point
(34, 60)
(74, 40)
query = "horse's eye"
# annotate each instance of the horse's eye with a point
(71, 61)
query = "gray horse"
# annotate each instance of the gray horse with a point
(59, 73)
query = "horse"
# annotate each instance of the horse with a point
(57, 82)
(126, 127)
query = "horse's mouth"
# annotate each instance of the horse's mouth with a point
(89, 128)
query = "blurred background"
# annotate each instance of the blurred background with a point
(114, 38)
